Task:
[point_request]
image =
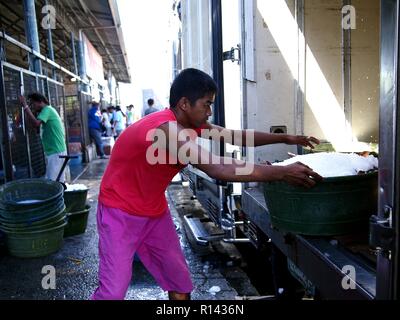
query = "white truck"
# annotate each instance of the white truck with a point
(303, 67)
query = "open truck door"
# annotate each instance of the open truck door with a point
(217, 197)
(385, 227)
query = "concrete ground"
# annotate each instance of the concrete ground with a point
(77, 262)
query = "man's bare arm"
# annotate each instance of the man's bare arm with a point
(226, 169)
(31, 118)
(240, 138)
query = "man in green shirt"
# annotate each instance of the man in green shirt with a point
(53, 133)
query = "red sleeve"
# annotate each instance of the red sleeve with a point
(199, 130)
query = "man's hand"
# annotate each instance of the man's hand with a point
(300, 175)
(22, 100)
(303, 141)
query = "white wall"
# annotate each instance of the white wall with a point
(270, 99)
(366, 70)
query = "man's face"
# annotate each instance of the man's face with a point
(200, 112)
(36, 106)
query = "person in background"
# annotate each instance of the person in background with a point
(151, 109)
(53, 133)
(106, 123)
(119, 123)
(129, 115)
(111, 117)
(96, 128)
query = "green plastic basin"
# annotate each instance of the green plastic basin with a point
(35, 244)
(77, 223)
(29, 201)
(57, 216)
(75, 201)
(61, 219)
(42, 191)
(336, 206)
(41, 217)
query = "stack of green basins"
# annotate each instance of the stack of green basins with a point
(32, 215)
(77, 212)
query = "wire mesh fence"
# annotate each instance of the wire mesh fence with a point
(26, 149)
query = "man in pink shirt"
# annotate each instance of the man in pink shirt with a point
(133, 215)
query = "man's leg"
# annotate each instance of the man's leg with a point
(53, 167)
(96, 135)
(119, 236)
(162, 255)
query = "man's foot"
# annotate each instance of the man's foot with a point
(104, 158)
(179, 296)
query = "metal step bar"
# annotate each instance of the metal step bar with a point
(202, 236)
(199, 232)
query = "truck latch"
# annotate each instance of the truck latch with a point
(382, 235)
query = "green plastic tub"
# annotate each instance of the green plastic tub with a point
(35, 244)
(49, 225)
(19, 219)
(54, 218)
(75, 201)
(77, 223)
(336, 206)
(29, 201)
(43, 191)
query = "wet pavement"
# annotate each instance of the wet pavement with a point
(77, 262)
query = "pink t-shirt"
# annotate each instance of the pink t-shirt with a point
(131, 183)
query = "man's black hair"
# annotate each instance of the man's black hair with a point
(38, 97)
(192, 84)
(150, 102)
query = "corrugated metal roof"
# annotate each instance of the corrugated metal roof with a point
(98, 19)
(103, 28)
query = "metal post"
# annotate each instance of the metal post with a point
(109, 82)
(75, 61)
(50, 48)
(389, 181)
(24, 127)
(51, 51)
(32, 36)
(5, 138)
(218, 69)
(217, 58)
(2, 50)
(346, 73)
(74, 53)
(117, 95)
(301, 78)
(82, 61)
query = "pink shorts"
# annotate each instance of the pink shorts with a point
(154, 240)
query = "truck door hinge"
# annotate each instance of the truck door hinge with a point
(233, 55)
(382, 235)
